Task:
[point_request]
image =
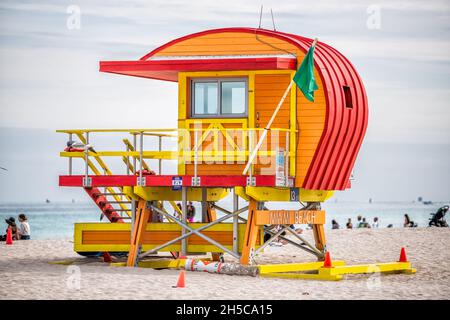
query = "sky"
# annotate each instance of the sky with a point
(49, 80)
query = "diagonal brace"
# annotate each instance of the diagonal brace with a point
(192, 231)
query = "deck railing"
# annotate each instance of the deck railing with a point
(194, 146)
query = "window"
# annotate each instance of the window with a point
(219, 98)
(348, 97)
(205, 101)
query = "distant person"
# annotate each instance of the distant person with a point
(24, 232)
(11, 222)
(297, 230)
(157, 217)
(375, 223)
(390, 225)
(366, 224)
(334, 224)
(190, 212)
(274, 229)
(363, 224)
(177, 212)
(267, 235)
(358, 222)
(408, 222)
(349, 224)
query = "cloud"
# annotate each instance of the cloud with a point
(50, 79)
(422, 49)
(49, 71)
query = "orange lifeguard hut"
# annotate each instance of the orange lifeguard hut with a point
(229, 83)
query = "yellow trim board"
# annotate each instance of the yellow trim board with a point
(293, 128)
(295, 267)
(268, 193)
(284, 194)
(369, 268)
(163, 264)
(305, 276)
(315, 195)
(64, 262)
(167, 194)
(240, 191)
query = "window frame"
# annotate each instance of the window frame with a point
(219, 81)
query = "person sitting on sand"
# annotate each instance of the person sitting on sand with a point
(408, 223)
(349, 224)
(363, 224)
(334, 224)
(375, 223)
(11, 222)
(297, 231)
(274, 229)
(358, 222)
(24, 228)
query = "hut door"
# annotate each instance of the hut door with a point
(269, 89)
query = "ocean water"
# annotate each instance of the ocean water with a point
(55, 220)
(50, 220)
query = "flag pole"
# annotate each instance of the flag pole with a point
(269, 124)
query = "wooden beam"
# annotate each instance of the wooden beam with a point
(211, 215)
(319, 236)
(251, 233)
(142, 217)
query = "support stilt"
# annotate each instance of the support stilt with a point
(204, 205)
(319, 237)
(211, 215)
(140, 224)
(251, 232)
(183, 251)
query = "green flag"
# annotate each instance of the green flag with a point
(304, 77)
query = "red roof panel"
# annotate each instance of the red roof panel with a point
(167, 69)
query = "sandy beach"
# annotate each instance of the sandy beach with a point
(25, 272)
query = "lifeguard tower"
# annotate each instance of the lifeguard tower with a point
(229, 83)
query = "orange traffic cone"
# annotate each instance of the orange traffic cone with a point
(403, 256)
(107, 257)
(327, 263)
(9, 238)
(181, 283)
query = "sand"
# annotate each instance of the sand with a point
(25, 272)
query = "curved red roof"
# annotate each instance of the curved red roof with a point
(345, 127)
